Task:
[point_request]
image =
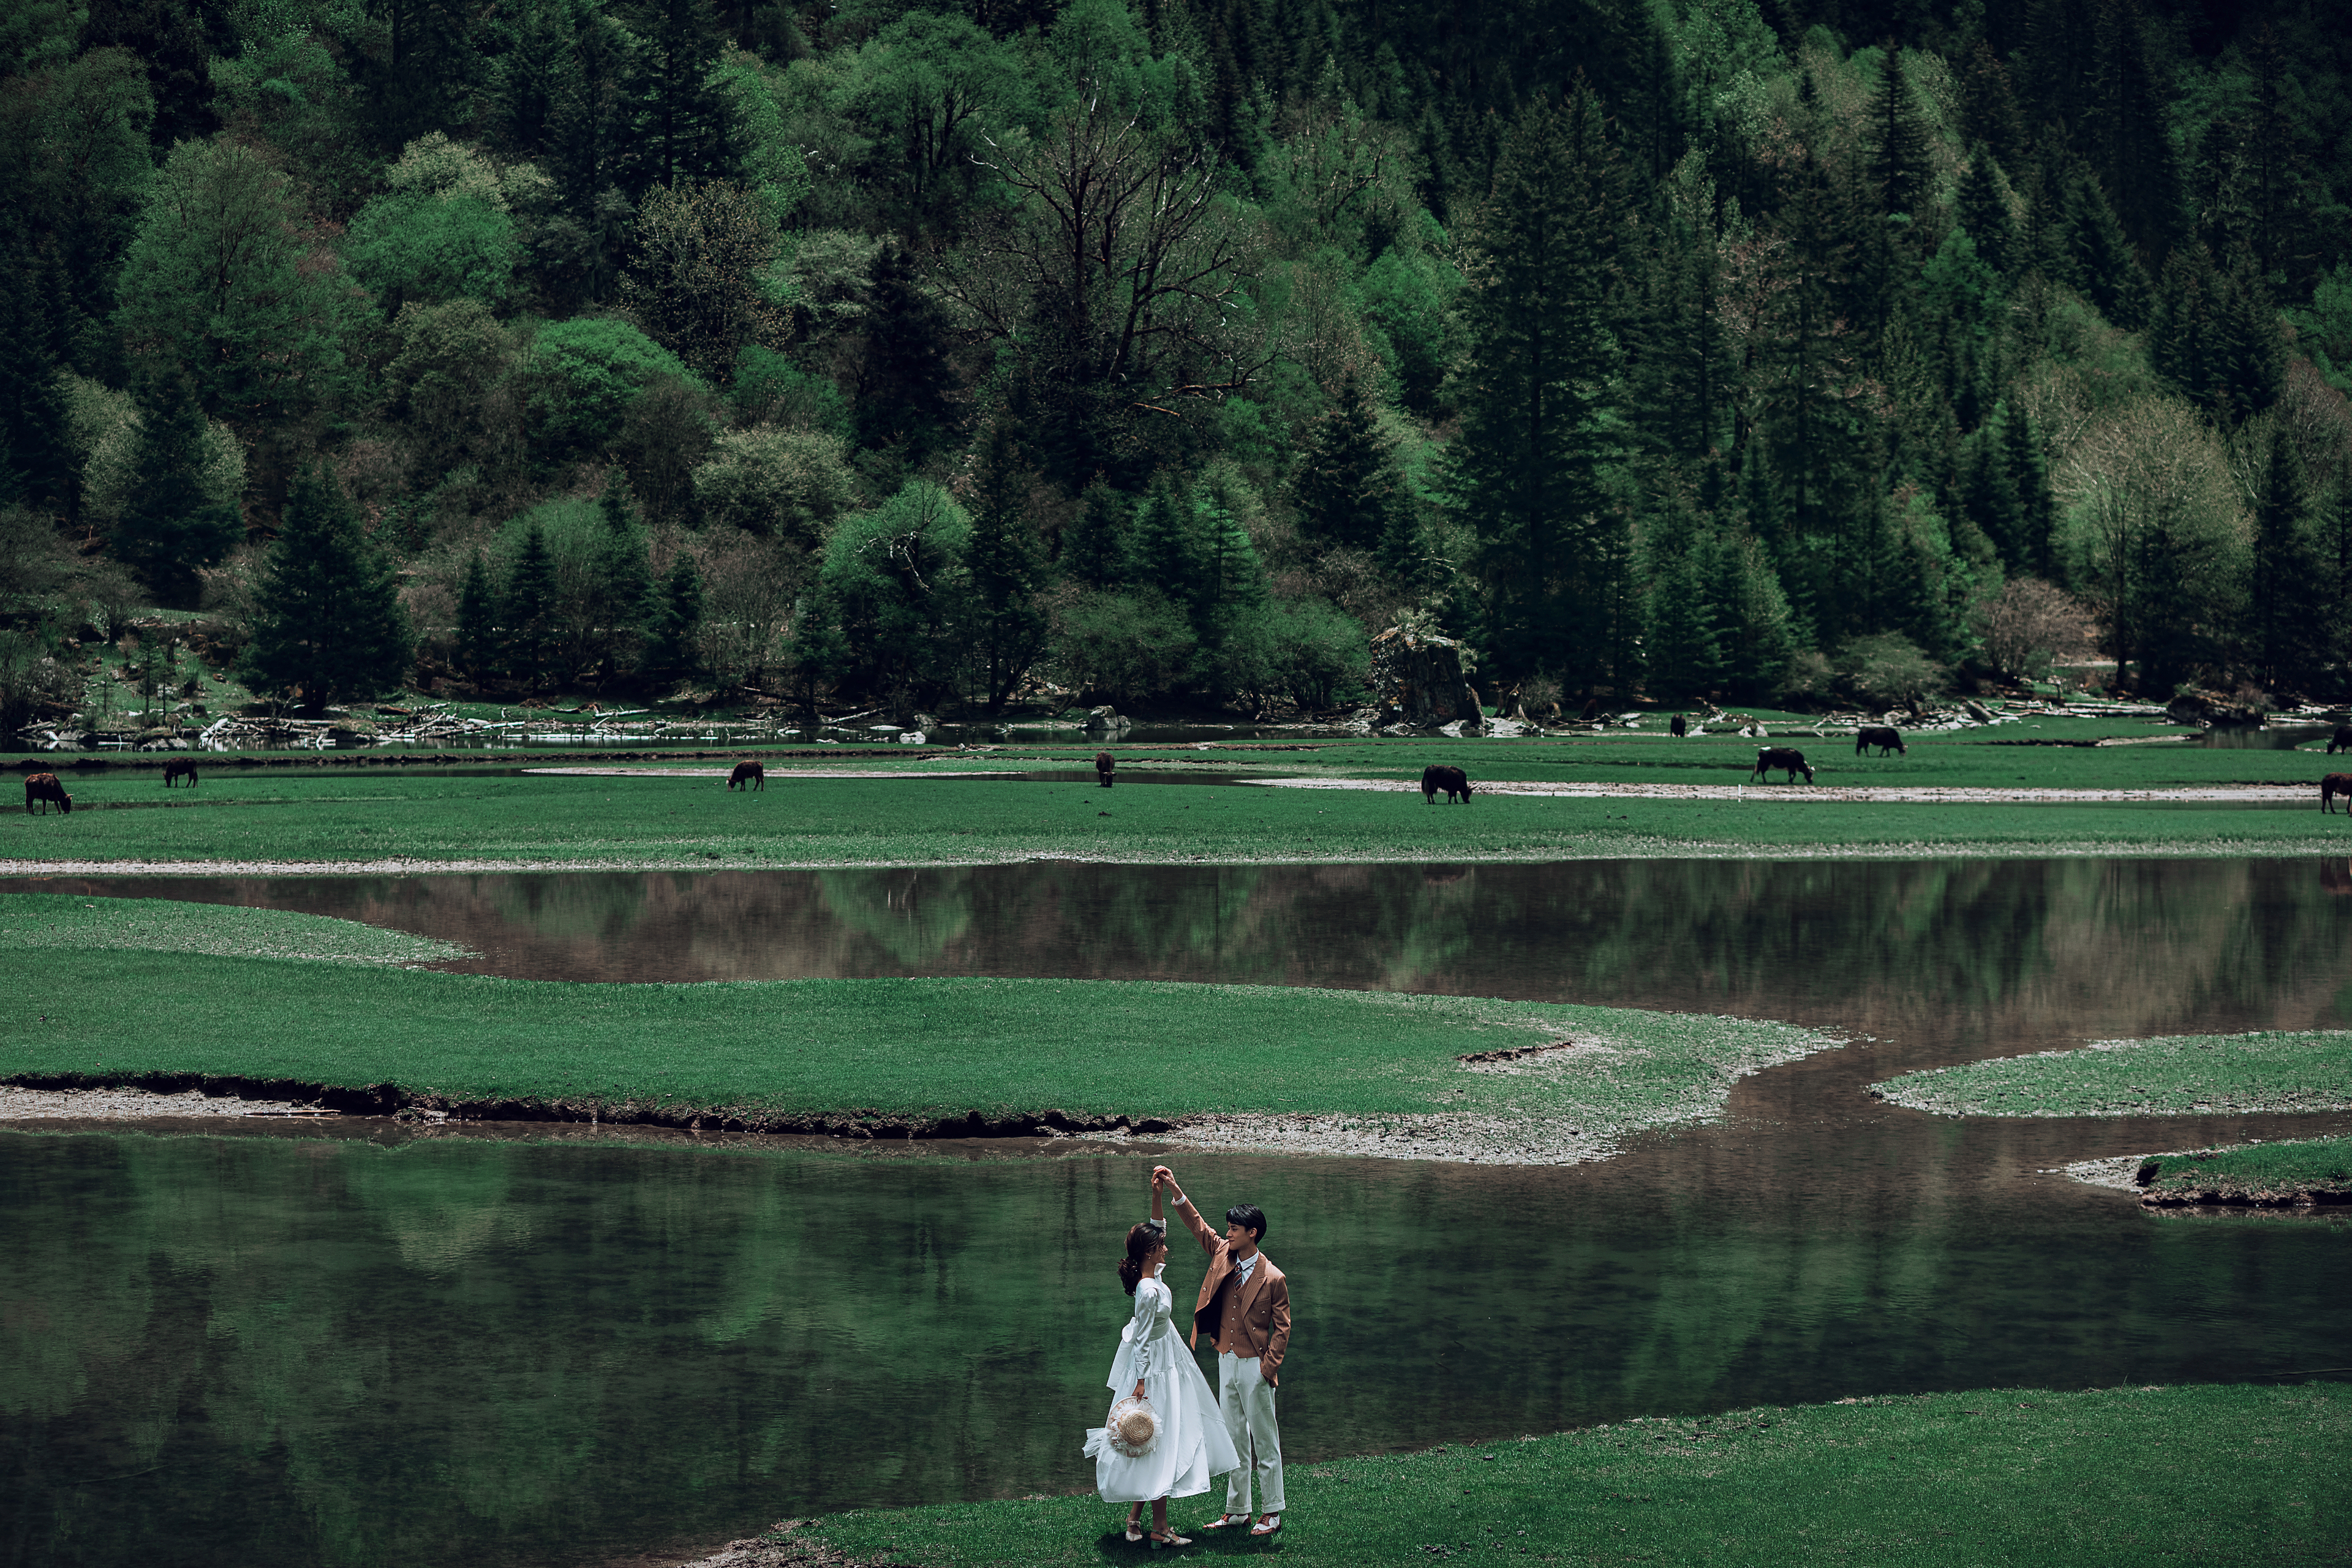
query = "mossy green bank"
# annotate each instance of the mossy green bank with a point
(2188, 1075)
(2019, 1478)
(2253, 1172)
(129, 991)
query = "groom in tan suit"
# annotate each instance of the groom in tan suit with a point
(1245, 1309)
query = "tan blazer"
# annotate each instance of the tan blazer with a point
(1265, 1296)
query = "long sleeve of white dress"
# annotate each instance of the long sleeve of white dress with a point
(1139, 1347)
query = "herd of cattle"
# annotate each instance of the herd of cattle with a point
(45, 791)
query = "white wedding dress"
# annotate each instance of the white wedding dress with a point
(1192, 1446)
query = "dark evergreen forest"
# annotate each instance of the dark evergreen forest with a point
(1776, 352)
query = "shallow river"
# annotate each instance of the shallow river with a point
(387, 1347)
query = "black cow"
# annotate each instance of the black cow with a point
(749, 775)
(2343, 740)
(1105, 766)
(1454, 782)
(1679, 727)
(180, 767)
(2330, 787)
(1885, 737)
(1769, 757)
(45, 788)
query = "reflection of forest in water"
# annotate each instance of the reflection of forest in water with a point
(1996, 950)
(271, 1350)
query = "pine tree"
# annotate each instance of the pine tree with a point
(2037, 506)
(1983, 212)
(2099, 256)
(1344, 483)
(530, 603)
(169, 525)
(1898, 139)
(2284, 604)
(1989, 497)
(1684, 658)
(328, 623)
(624, 588)
(1541, 312)
(477, 623)
(1167, 551)
(685, 129)
(1096, 546)
(37, 459)
(670, 649)
(1006, 564)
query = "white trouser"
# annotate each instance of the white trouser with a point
(1247, 1400)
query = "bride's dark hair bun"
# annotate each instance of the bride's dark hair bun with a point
(1141, 1242)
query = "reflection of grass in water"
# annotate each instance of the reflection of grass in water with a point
(919, 1047)
(2007, 1476)
(62, 922)
(2309, 1164)
(2188, 1075)
(833, 822)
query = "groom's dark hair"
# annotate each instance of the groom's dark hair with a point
(1250, 1217)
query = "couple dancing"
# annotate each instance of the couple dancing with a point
(1162, 1440)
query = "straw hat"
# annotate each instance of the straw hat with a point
(1132, 1426)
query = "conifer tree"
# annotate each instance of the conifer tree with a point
(1985, 214)
(36, 460)
(529, 603)
(1899, 137)
(328, 624)
(624, 588)
(169, 525)
(2098, 256)
(685, 129)
(669, 649)
(1005, 562)
(1168, 550)
(2284, 605)
(477, 623)
(1095, 547)
(1541, 312)
(2028, 479)
(1344, 482)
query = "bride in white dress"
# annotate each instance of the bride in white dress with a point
(1188, 1445)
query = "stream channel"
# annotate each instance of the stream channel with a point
(358, 1342)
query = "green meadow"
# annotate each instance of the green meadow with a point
(2019, 1478)
(304, 812)
(2304, 1164)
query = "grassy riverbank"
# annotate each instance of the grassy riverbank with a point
(1381, 1069)
(2189, 1075)
(2254, 1172)
(343, 818)
(2015, 1476)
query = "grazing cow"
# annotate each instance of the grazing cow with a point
(750, 775)
(1105, 766)
(1679, 728)
(2330, 787)
(1769, 757)
(180, 767)
(45, 788)
(1885, 737)
(2343, 740)
(1454, 782)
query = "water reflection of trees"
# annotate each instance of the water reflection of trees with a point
(297, 1352)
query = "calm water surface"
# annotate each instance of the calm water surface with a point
(381, 1347)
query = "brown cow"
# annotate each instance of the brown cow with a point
(1453, 781)
(2341, 740)
(2330, 787)
(1885, 737)
(1105, 765)
(45, 788)
(1679, 727)
(178, 767)
(751, 775)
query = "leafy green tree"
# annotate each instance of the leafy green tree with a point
(1541, 313)
(444, 230)
(923, 91)
(222, 281)
(169, 525)
(477, 623)
(328, 624)
(1006, 563)
(696, 274)
(528, 604)
(895, 577)
(585, 373)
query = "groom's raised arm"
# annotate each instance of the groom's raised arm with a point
(1209, 1239)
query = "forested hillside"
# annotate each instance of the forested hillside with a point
(1164, 352)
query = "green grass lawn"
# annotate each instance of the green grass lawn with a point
(2253, 1170)
(2196, 1476)
(304, 814)
(2188, 1075)
(895, 1048)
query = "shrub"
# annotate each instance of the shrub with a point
(1887, 669)
(585, 373)
(1123, 645)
